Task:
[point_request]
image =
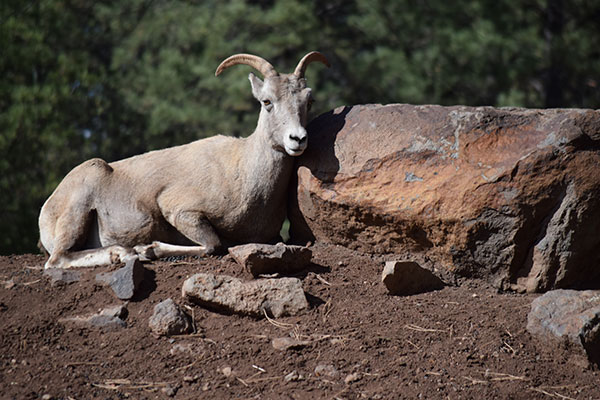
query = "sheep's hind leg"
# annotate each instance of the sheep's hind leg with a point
(90, 258)
(196, 229)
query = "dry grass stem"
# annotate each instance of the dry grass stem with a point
(475, 381)
(281, 325)
(419, 329)
(509, 347)
(555, 394)
(182, 263)
(242, 381)
(117, 384)
(78, 363)
(322, 280)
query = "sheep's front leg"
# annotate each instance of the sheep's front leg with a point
(196, 229)
(157, 250)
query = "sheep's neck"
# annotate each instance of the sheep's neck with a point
(267, 171)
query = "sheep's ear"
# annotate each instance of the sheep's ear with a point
(257, 85)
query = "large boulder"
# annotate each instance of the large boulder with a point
(510, 195)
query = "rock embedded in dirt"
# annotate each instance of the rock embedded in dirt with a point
(293, 376)
(263, 259)
(277, 297)
(571, 315)
(125, 282)
(111, 318)
(118, 311)
(351, 378)
(227, 371)
(506, 195)
(60, 275)
(287, 343)
(326, 370)
(169, 319)
(408, 277)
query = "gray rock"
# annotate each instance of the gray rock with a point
(571, 315)
(59, 275)
(111, 318)
(408, 277)
(125, 282)
(119, 311)
(106, 322)
(259, 259)
(169, 319)
(276, 297)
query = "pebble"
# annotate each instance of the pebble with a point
(169, 390)
(352, 378)
(286, 343)
(326, 370)
(226, 371)
(292, 376)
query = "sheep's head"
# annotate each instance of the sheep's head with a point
(285, 99)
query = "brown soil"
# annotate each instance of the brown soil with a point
(466, 342)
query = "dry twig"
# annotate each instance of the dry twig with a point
(555, 394)
(281, 325)
(322, 280)
(475, 381)
(419, 329)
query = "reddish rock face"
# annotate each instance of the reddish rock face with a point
(509, 195)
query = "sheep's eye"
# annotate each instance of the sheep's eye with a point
(267, 102)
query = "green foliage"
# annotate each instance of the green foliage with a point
(111, 79)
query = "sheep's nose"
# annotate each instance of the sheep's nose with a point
(299, 139)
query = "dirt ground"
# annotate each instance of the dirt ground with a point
(466, 342)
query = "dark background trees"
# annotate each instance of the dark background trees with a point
(82, 79)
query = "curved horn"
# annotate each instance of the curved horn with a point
(258, 63)
(307, 59)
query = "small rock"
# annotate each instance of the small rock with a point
(286, 343)
(352, 378)
(570, 314)
(170, 390)
(46, 397)
(119, 311)
(408, 277)
(111, 318)
(124, 282)
(326, 370)
(205, 387)
(264, 259)
(292, 376)
(277, 297)
(108, 319)
(106, 322)
(226, 371)
(169, 319)
(9, 284)
(60, 275)
(191, 379)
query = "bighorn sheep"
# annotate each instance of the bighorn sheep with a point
(189, 199)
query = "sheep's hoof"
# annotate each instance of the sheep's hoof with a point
(146, 252)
